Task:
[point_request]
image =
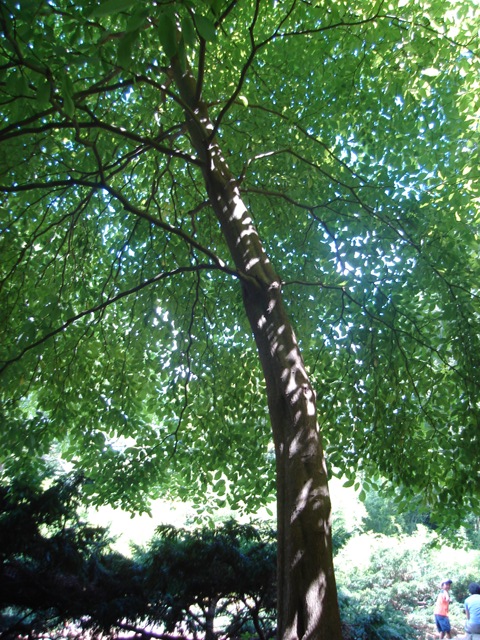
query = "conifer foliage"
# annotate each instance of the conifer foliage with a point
(58, 571)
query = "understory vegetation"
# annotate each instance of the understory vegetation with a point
(61, 577)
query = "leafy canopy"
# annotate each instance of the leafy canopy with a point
(352, 130)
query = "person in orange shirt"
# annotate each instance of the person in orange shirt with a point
(442, 603)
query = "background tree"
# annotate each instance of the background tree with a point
(59, 575)
(173, 174)
(58, 571)
(56, 567)
(206, 579)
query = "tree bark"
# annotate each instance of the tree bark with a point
(210, 611)
(307, 595)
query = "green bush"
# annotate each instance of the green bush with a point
(366, 622)
(388, 584)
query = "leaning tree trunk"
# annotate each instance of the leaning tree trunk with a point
(307, 596)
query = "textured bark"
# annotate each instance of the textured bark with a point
(210, 612)
(307, 597)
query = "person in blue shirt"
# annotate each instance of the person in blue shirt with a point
(472, 609)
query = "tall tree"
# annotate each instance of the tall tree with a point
(172, 170)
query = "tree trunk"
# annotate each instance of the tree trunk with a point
(307, 596)
(210, 612)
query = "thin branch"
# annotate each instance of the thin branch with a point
(188, 364)
(128, 206)
(99, 125)
(142, 213)
(110, 301)
(243, 74)
(418, 337)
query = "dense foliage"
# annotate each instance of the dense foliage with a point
(55, 567)
(361, 173)
(388, 583)
(59, 573)
(197, 579)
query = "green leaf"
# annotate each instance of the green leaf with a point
(215, 7)
(167, 31)
(125, 49)
(111, 7)
(188, 31)
(205, 28)
(16, 84)
(137, 19)
(43, 93)
(67, 95)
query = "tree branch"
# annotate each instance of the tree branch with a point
(103, 305)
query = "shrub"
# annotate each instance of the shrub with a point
(389, 583)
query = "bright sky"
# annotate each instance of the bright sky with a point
(140, 529)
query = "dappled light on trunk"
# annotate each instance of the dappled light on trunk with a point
(307, 595)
